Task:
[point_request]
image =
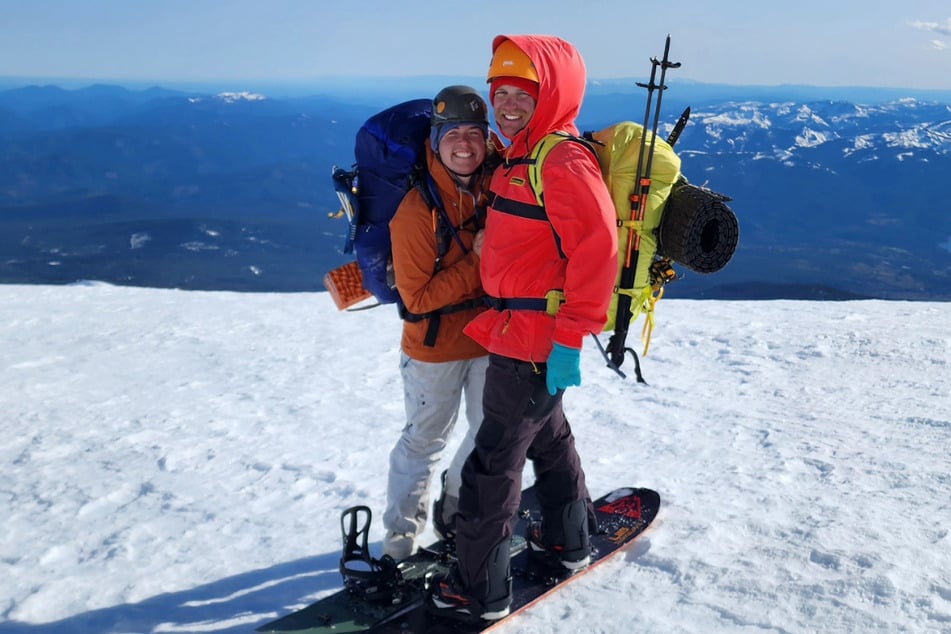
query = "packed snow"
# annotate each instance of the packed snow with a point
(177, 462)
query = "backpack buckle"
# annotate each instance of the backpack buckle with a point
(554, 299)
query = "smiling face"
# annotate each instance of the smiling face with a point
(462, 149)
(513, 108)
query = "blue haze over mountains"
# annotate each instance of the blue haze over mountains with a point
(840, 193)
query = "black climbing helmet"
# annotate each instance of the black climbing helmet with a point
(459, 104)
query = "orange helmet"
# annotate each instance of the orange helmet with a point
(511, 61)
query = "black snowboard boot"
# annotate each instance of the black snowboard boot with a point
(489, 599)
(445, 527)
(561, 539)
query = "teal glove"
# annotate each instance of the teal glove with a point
(564, 368)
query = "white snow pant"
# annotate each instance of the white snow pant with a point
(432, 393)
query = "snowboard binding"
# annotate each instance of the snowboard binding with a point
(369, 579)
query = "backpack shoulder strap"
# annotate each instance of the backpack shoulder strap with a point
(535, 161)
(445, 231)
(541, 151)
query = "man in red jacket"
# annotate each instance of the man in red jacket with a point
(568, 245)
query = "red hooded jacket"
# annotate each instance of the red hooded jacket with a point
(520, 257)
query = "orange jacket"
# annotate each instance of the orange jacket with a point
(520, 256)
(421, 287)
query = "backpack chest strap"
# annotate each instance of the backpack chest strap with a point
(531, 211)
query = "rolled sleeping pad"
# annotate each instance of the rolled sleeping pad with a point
(698, 230)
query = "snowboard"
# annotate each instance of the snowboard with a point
(622, 515)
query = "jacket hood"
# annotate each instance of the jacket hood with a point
(561, 84)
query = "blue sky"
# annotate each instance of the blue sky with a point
(821, 43)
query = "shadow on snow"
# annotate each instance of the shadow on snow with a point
(235, 604)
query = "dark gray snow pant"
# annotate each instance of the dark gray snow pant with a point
(522, 421)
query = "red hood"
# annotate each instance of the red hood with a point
(562, 77)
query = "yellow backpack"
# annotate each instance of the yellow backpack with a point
(618, 148)
(661, 218)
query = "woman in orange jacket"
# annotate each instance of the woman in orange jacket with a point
(437, 276)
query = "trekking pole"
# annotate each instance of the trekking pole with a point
(616, 344)
(614, 353)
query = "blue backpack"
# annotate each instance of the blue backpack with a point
(390, 153)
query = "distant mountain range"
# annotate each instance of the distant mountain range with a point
(838, 195)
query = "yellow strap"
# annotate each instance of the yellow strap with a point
(636, 225)
(644, 302)
(649, 320)
(538, 154)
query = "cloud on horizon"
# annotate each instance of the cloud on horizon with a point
(934, 27)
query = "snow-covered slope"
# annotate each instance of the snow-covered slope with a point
(177, 462)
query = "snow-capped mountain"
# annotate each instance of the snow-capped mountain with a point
(907, 129)
(835, 197)
(832, 190)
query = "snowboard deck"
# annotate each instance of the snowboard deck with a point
(622, 515)
(342, 612)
